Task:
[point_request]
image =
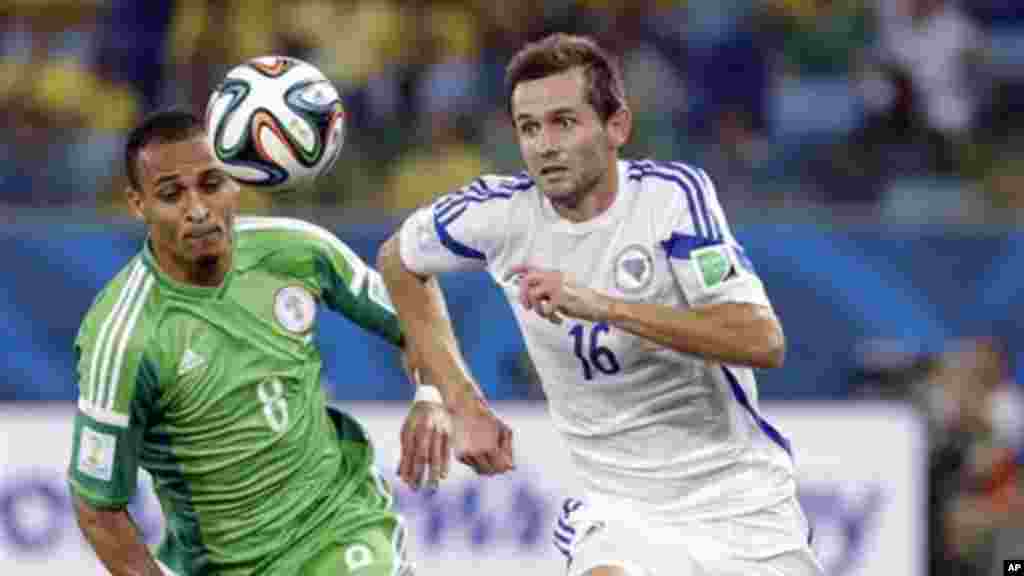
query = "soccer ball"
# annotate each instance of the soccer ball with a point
(276, 123)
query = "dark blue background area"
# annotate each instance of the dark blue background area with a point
(834, 291)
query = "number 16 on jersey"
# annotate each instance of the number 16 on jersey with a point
(591, 354)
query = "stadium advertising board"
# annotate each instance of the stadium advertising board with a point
(862, 474)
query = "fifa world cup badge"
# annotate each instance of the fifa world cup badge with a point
(294, 309)
(714, 266)
(96, 454)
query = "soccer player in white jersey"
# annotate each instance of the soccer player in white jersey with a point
(644, 318)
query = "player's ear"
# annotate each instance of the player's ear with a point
(135, 203)
(619, 126)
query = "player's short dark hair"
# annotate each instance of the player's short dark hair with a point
(162, 126)
(559, 53)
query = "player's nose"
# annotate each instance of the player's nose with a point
(549, 149)
(196, 211)
(548, 144)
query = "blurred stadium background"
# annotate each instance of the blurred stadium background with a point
(869, 153)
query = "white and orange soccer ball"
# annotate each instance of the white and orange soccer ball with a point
(276, 123)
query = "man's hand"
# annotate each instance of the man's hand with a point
(426, 445)
(485, 441)
(552, 295)
(486, 444)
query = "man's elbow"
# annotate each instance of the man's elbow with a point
(773, 357)
(391, 267)
(388, 255)
(770, 348)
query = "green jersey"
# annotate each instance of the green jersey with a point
(216, 393)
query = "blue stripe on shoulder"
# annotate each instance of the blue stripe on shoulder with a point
(450, 208)
(679, 246)
(506, 184)
(642, 173)
(446, 205)
(520, 182)
(690, 180)
(694, 179)
(479, 191)
(694, 175)
(456, 247)
(450, 213)
(710, 188)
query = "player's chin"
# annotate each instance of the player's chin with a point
(561, 191)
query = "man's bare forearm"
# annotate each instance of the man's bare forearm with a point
(744, 334)
(429, 335)
(116, 540)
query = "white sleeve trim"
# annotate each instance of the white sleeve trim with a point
(408, 242)
(103, 416)
(163, 568)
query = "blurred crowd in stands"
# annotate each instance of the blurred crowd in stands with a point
(974, 412)
(881, 109)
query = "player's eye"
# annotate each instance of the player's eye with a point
(565, 122)
(213, 182)
(528, 128)
(169, 193)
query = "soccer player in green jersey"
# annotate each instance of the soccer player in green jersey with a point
(197, 363)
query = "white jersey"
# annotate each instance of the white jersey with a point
(670, 435)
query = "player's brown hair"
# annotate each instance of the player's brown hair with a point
(559, 53)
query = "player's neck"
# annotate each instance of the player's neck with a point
(594, 201)
(206, 272)
(209, 272)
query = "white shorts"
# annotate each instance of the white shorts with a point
(769, 542)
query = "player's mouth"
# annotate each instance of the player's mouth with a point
(204, 233)
(554, 172)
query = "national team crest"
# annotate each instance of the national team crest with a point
(634, 268)
(295, 309)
